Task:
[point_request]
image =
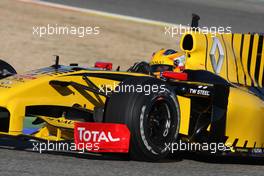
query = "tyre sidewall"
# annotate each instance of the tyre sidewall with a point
(138, 116)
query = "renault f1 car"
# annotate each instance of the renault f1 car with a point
(217, 99)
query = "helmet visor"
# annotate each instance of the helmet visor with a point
(161, 68)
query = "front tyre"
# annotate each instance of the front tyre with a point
(152, 117)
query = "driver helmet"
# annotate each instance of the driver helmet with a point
(167, 60)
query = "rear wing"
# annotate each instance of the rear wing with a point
(238, 58)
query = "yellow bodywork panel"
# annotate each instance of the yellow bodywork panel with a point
(185, 111)
(238, 58)
(245, 121)
(56, 129)
(59, 122)
(34, 89)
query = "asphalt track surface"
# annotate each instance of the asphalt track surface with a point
(28, 163)
(242, 15)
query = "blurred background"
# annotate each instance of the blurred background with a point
(242, 15)
(120, 41)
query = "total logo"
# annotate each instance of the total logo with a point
(95, 136)
(102, 137)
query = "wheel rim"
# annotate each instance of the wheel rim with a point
(159, 123)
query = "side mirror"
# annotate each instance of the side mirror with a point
(6, 70)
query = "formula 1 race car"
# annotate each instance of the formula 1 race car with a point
(218, 98)
(113, 111)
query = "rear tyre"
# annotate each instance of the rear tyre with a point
(153, 117)
(6, 69)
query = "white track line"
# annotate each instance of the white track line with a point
(100, 13)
